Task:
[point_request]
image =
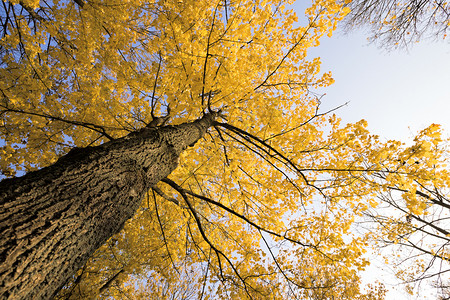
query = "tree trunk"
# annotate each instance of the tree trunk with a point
(53, 219)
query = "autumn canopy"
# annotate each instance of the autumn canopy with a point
(265, 204)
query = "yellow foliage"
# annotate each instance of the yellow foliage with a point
(272, 192)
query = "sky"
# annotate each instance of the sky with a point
(398, 92)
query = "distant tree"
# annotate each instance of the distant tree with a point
(414, 211)
(399, 23)
(445, 290)
(191, 125)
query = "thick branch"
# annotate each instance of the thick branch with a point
(53, 219)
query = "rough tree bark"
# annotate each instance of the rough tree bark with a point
(53, 219)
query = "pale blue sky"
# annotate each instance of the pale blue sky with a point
(398, 93)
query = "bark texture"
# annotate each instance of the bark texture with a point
(53, 219)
